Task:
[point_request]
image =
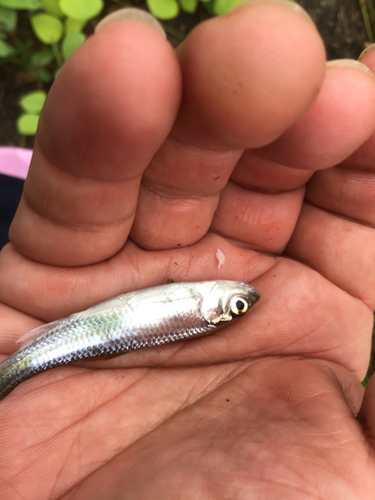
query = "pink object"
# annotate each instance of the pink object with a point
(15, 161)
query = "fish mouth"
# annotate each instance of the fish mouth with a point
(254, 295)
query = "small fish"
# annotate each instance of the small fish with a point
(135, 320)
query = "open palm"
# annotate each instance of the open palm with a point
(215, 165)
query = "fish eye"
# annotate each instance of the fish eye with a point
(238, 306)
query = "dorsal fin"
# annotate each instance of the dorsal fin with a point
(36, 332)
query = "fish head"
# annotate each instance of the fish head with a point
(227, 300)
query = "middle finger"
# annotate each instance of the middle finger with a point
(234, 98)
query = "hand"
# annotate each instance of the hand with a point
(144, 167)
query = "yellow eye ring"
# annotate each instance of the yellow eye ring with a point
(238, 306)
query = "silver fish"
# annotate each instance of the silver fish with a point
(135, 320)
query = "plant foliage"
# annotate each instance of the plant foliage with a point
(56, 28)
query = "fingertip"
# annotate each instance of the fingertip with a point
(121, 85)
(339, 121)
(249, 75)
(109, 110)
(131, 13)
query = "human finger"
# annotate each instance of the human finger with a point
(234, 98)
(335, 233)
(340, 119)
(261, 207)
(100, 126)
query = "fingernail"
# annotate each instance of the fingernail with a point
(287, 3)
(349, 63)
(364, 52)
(130, 13)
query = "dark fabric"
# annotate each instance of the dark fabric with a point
(10, 194)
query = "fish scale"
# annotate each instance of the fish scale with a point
(145, 318)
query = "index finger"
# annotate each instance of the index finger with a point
(109, 110)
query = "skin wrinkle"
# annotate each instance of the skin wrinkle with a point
(352, 397)
(283, 483)
(245, 245)
(171, 416)
(212, 175)
(360, 222)
(173, 270)
(189, 232)
(79, 175)
(198, 150)
(88, 184)
(73, 487)
(13, 488)
(167, 193)
(293, 488)
(130, 263)
(207, 390)
(247, 219)
(60, 471)
(78, 226)
(297, 341)
(359, 177)
(353, 292)
(329, 349)
(177, 197)
(361, 169)
(264, 190)
(318, 462)
(75, 227)
(89, 414)
(251, 158)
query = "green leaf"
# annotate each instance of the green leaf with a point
(365, 382)
(53, 7)
(74, 25)
(42, 74)
(71, 42)
(27, 124)
(225, 6)
(42, 58)
(33, 102)
(209, 6)
(6, 50)
(47, 28)
(189, 6)
(21, 4)
(8, 19)
(83, 9)
(163, 9)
